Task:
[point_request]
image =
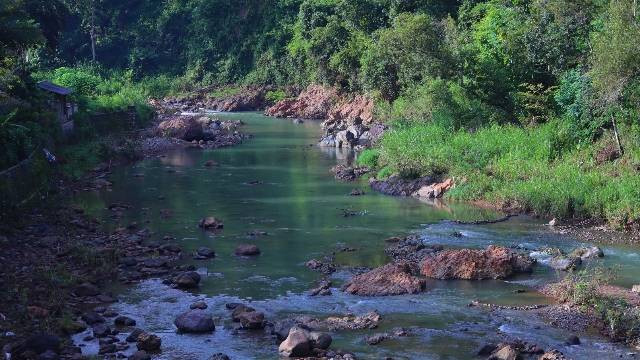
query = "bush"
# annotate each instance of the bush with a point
(275, 95)
(83, 80)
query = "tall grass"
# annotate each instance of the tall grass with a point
(538, 169)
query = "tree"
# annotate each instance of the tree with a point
(616, 51)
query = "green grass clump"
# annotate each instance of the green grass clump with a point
(539, 169)
(276, 95)
(225, 92)
(369, 158)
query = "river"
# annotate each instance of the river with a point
(279, 182)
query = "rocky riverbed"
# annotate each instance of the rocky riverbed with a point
(247, 252)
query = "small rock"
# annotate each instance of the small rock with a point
(210, 223)
(565, 263)
(37, 312)
(486, 350)
(219, 356)
(553, 222)
(356, 192)
(586, 253)
(239, 310)
(107, 349)
(376, 338)
(92, 318)
(247, 250)
(124, 321)
(148, 342)
(205, 252)
(86, 289)
(140, 355)
(198, 305)
(133, 336)
(507, 352)
(101, 330)
(320, 340)
(251, 320)
(48, 355)
(573, 340)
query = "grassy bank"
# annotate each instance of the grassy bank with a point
(538, 169)
(590, 292)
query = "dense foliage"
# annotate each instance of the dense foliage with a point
(499, 85)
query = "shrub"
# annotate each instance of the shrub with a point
(275, 95)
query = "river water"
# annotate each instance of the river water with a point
(279, 182)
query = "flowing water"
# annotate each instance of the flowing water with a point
(279, 182)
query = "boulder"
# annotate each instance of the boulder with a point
(210, 222)
(397, 186)
(181, 127)
(148, 342)
(187, 280)
(435, 190)
(297, 343)
(195, 321)
(495, 262)
(251, 320)
(390, 279)
(247, 250)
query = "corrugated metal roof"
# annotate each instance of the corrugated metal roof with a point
(49, 86)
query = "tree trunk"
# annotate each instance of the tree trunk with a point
(615, 133)
(93, 45)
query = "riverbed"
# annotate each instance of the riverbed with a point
(279, 183)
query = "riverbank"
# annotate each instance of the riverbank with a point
(59, 261)
(134, 266)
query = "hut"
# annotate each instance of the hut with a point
(61, 104)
